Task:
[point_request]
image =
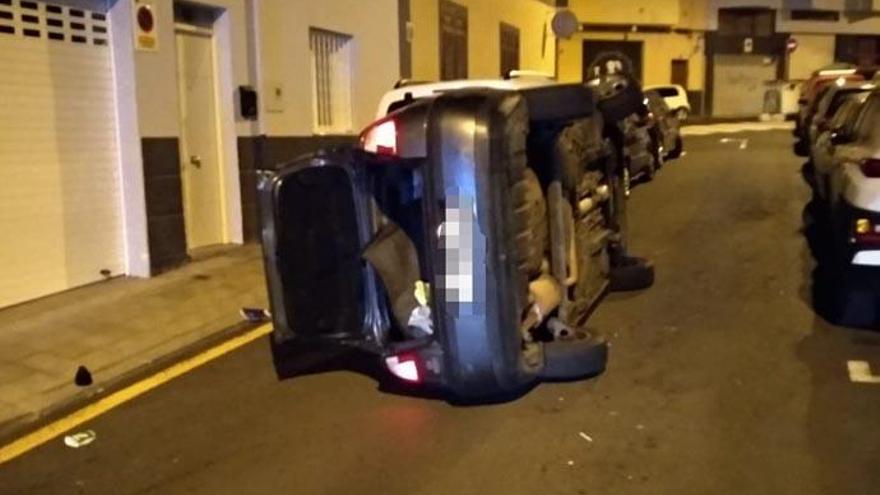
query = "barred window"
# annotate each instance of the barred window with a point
(331, 81)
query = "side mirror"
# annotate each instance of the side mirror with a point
(839, 137)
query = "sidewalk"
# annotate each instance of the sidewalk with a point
(115, 328)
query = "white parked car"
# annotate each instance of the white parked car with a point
(676, 98)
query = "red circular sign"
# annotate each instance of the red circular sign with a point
(145, 18)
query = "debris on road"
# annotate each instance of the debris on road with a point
(571, 463)
(255, 315)
(81, 439)
(640, 427)
(83, 377)
(586, 437)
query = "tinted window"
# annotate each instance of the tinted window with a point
(868, 121)
(845, 113)
(666, 92)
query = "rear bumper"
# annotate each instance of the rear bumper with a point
(859, 250)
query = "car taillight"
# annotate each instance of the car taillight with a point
(870, 167)
(380, 138)
(404, 367)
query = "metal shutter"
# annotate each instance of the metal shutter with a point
(60, 215)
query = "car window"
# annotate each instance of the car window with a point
(666, 92)
(866, 126)
(837, 100)
(845, 112)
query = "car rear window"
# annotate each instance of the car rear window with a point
(666, 92)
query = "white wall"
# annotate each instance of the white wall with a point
(284, 54)
(157, 71)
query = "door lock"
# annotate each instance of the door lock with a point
(195, 160)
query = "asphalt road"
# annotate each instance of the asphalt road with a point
(722, 380)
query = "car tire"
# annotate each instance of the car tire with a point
(682, 113)
(631, 273)
(675, 152)
(583, 356)
(530, 213)
(854, 300)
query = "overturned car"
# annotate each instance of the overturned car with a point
(466, 242)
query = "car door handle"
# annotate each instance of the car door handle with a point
(195, 160)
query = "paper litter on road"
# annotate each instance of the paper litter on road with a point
(586, 437)
(81, 439)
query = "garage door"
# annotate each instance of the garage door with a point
(60, 219)
(739, 84)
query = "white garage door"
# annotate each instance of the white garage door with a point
(739, 84)
(60, 215)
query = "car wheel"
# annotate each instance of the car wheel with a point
(854, 300)
(581, 356)
(675, 152)
(682, 113)
(530, 213)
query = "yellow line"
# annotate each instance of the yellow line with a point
(95, 409)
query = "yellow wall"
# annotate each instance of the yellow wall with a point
(666, 12)
(658, 51)
(813, 52)
(484, 52)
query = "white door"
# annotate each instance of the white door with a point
(201, 174)
(60, 203)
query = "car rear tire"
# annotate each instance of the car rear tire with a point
(582, 356)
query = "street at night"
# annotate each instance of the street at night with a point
(722, 378)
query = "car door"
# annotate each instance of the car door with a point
(316, 221)
(863, 135)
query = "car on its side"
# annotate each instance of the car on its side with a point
(852, 198)
(675, 97)
(666, 128)
(463, 244)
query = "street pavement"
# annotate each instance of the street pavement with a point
(722, 380)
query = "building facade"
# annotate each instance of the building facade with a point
(138, 125)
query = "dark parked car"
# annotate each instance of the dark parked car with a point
(622, 103)
(664, 126)
(465, 244)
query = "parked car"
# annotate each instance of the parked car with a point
(823, 152)
(464, 244)
(675, 97)
(666, 129)
(828, 104)
(622, 103)
(812, 89)
(850, 185)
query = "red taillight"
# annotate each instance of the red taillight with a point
(404, 367)
(870, 167)
(380, 138)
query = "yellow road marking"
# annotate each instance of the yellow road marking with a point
(95, 409)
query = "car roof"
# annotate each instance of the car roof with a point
(424, 90)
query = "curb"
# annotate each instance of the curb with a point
(25, 424)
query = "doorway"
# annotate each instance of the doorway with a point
(679, 72)
(201, 173)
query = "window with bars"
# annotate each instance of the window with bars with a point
(331, 81)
